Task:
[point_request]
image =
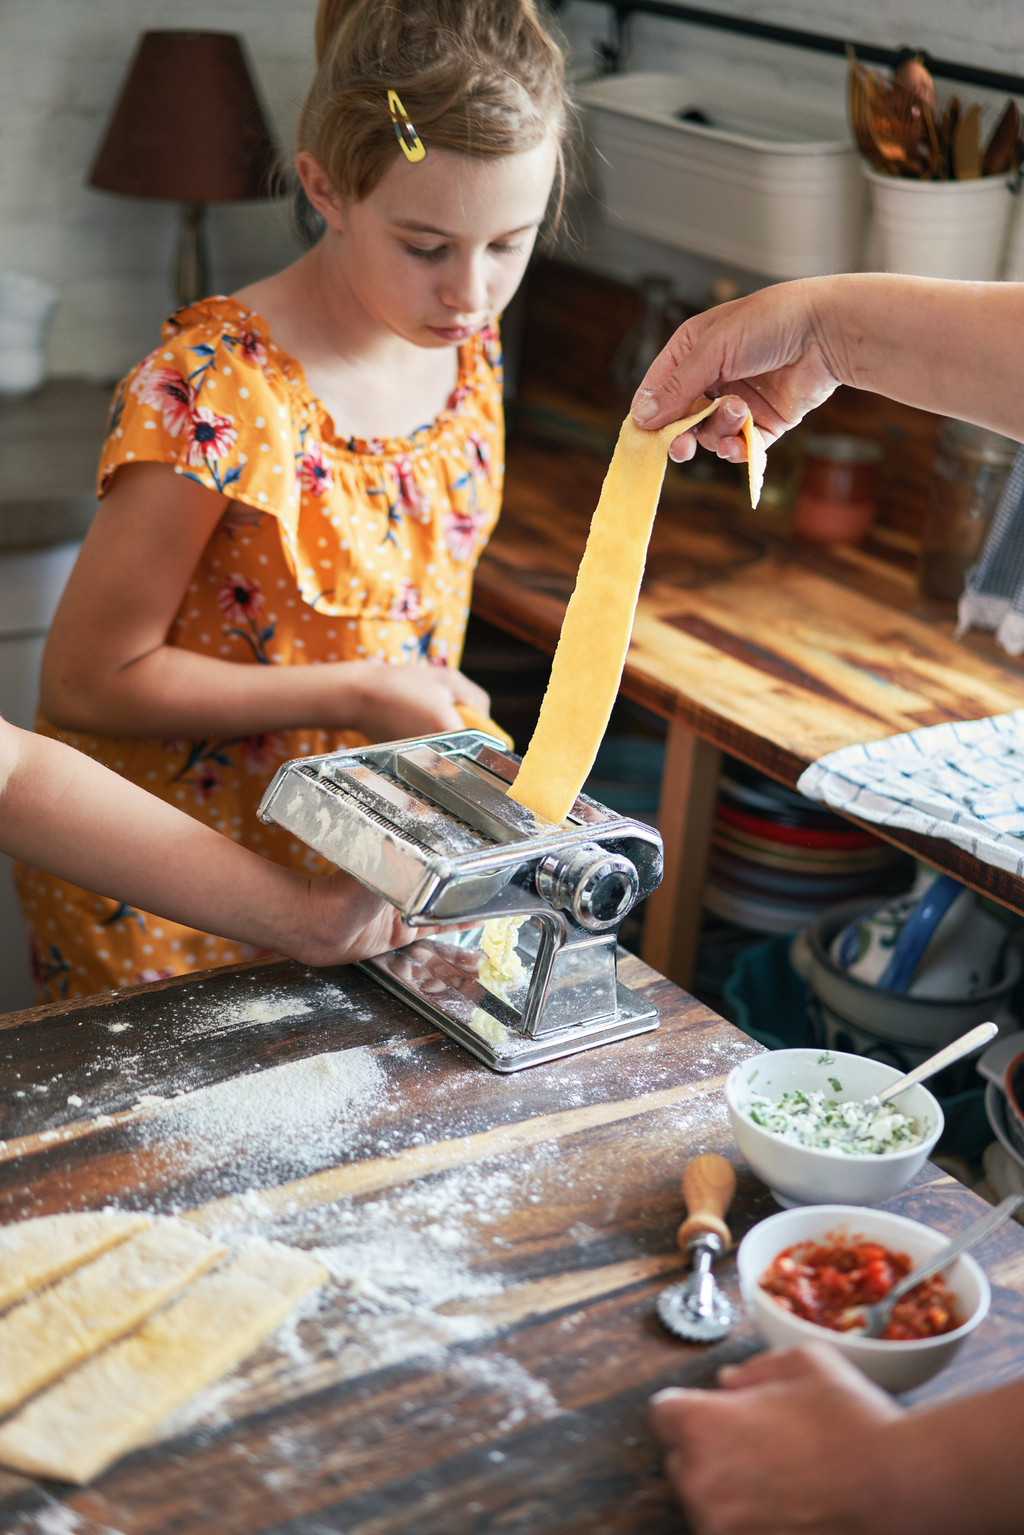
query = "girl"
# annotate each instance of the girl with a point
(282, 558)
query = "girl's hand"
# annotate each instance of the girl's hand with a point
(346, 922)
(769, 349)
(392, 702)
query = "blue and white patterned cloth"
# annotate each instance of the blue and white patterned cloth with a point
(961, 782)
(993, 596)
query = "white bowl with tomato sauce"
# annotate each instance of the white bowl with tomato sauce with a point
(896, 1365)
(805, 1175)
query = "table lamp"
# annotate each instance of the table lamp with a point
(188, 128)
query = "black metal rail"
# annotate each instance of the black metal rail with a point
(792, 37)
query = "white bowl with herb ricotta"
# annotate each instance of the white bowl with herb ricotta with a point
(797, 1121)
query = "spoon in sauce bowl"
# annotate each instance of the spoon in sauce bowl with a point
(876, 1316)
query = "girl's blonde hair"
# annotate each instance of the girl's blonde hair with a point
(480, 77)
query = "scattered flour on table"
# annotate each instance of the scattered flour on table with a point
(298, 1116)
(59, 1520)
(262, 1007)
(525, 1395)
(259, 1010)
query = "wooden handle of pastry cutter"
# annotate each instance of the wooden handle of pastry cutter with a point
(708, 1186)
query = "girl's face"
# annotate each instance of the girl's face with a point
(438, 247)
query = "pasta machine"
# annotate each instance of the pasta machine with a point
(428, 825)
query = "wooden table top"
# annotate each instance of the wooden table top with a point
(482, 1358)
(777, 653)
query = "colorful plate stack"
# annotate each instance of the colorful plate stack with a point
(779, 860)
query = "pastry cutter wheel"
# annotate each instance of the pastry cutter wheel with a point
(696, 1309)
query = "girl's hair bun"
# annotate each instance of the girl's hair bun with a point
(478, 77)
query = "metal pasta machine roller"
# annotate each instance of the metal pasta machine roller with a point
(428, 825)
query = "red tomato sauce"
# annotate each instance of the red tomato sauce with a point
(826, 1283)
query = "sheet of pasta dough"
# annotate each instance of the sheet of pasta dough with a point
(598, 622)
(36, 1252)
(76, 1428)
(55, 1330)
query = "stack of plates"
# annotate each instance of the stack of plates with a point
(779, 860)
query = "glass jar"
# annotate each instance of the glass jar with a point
(838, 495)
(967, 481)
(658, 319)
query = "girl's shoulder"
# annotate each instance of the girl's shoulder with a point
(216, 382)
(215, 352)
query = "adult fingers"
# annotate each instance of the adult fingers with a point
(768, 1367)
(812, 1362)
(678, 376)
(671, 1409)
(716, 432)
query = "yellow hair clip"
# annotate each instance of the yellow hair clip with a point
(405, 133)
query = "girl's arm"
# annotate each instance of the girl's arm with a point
(950, 347)
(65, 813)
(108, 668)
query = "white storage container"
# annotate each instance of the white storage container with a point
(31, 582)
(773, 186)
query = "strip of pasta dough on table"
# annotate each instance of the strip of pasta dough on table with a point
(49, 1334)
(36, 1252)
(78, 1427)
(591, 652)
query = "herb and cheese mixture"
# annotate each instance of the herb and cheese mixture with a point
(823, 1124)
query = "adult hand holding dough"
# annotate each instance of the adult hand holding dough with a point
(948, 347)
(760, 354)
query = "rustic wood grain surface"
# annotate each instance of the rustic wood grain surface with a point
(481, 1358)
(777, 653)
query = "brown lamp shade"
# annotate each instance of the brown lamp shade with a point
(188, 126)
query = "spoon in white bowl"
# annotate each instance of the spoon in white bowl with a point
(972, 1040)
(876, 1316)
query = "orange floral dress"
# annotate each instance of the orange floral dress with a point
(331, 550)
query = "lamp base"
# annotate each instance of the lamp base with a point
(190, 268)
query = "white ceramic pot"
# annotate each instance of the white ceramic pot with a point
(22, 369)
(27, 298)
(799, 1175)
(914, 1026)
(896, 1366)
(940, 228)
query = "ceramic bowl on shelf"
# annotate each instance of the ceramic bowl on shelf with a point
(800, 1175)
(898, 1366)
(1002, 1065)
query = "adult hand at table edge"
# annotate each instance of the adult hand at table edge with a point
(799, 1440)
(768, 349)
(790, 1445)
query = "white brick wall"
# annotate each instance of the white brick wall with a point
(61, 67)
(62, 63)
